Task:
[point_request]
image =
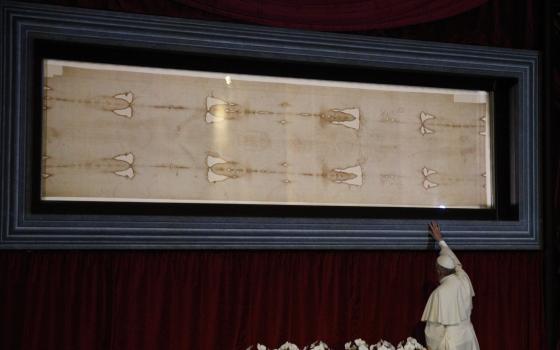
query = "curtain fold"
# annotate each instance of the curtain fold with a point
(502, 23)
(54, 301)
(232, 299)
(332, 15)
(335, 15)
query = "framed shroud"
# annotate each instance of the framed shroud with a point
(189, 134)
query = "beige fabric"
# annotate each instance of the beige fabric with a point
(137, 134)
(456, 337)
(447, 312)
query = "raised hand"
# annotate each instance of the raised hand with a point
(435, 230)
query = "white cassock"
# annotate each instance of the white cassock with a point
(448, 310)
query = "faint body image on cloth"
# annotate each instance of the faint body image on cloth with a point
(135, 134)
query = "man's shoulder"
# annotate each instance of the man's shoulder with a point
(449, 281)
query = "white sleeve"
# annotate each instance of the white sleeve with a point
(445, 250)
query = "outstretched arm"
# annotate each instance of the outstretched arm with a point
(435, 231)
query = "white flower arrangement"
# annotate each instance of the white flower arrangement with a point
(259, 347)
(356, 344)
(288, 346)
(411, 344)
(382, 345)
(318, 345)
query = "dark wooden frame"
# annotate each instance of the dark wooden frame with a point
(28, 223)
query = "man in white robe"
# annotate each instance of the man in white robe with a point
(448, 311)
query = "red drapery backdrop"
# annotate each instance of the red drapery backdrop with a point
(232, 299)
(502, 23)
(335, 15)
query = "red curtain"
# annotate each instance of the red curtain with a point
(232, 299)
(502, 23)
(336, 15)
